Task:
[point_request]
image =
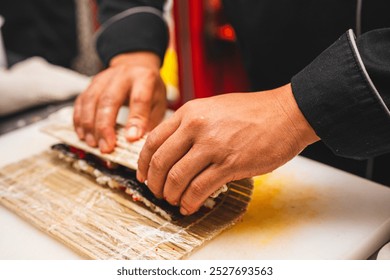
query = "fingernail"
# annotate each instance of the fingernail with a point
(146, 182)
(140, 177)
(103, 145)
(80, 132)
(183, 211)
(133, 132)
(90, 139)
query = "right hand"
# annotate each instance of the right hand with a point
(211, 141)
(133, 78)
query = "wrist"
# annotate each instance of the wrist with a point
(303, 131)
(141, 58)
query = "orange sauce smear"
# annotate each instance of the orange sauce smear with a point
(276, 207)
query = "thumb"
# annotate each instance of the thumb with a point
(140, 109)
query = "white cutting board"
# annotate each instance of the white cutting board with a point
(303, 210)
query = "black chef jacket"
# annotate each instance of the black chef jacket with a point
(341, 83)
(44, 28)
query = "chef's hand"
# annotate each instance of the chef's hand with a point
(132, 77)
(209, 142)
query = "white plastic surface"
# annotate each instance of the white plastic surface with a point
(317, 212)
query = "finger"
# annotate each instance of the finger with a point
(157, 137)
(182, 173)
(159, 107)
(170, 152)
(88, 102)
(201, 187)
(77, 118)
(140, 108)
(87, 118)
(108, 106)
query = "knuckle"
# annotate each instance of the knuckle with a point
(107, 100)
(193, 118)
(231, 170)
(101, 128)
(229, 162)
(141, 98)
(150, 74)
(196, 122)
(175, 177)
(157, 163)
(88, 95)
(151, 142)
(197, 190)
(87, 124)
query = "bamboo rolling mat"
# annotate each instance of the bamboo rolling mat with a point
(102, 223)
(125, 153)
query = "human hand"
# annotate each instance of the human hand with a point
(209, 142)
(133, 78)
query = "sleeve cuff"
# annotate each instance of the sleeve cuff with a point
(339, 100)
(136, 29)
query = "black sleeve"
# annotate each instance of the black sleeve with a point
(345, 94)
(131, 26)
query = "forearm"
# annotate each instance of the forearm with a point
(341, 101)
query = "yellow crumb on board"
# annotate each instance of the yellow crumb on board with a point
(275, 208)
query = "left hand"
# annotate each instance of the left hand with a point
(209, 142)
(132, 78)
